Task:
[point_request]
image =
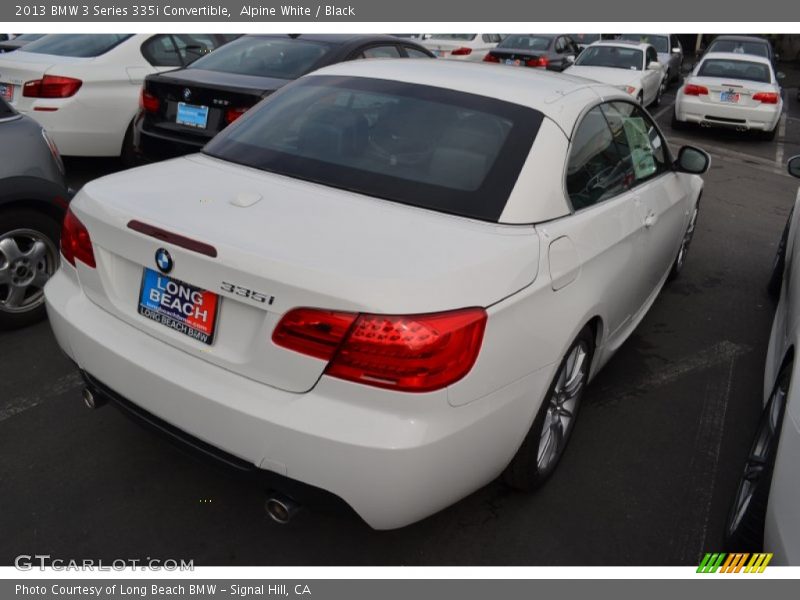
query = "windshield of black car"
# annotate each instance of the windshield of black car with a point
(526, 42)
(740, 47)
(735, 69)
(426, 146)
(659, 42)
(75, 45)
(618, 57)
(282, 58)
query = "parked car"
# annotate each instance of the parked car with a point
(19, 41)
(731, 91)
(744, 44)
(552, 51)
(302, 295)
(631, 67)
(461, 46)
(84, 89)
(584, 40)
(33, 200)
(183, 109)
(669, 49)
(764, 513)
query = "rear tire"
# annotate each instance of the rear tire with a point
(680, 258)
(28, 257)
(544, 445)
(769, 135)
(678, 125)
(779, 263)
(744, 529)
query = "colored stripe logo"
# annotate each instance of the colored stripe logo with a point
(737, 562)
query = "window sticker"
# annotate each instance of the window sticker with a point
(644, 165)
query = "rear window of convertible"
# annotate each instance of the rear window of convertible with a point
(425, 146)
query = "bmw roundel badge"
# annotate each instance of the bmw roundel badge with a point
(187, 94)
(163, 261)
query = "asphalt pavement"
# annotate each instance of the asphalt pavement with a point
(647, 479)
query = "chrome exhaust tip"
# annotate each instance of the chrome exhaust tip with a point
(280, 508)
(90, 400)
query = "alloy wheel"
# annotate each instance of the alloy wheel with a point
(27, 260)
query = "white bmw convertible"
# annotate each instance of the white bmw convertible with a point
(391, 280)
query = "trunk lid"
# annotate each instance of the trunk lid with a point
(198, 87)
(18, 67)
(294, 243)
(727, 92)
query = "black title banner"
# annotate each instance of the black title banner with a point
(400, 11)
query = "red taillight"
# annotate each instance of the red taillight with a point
(766, 97)
(491, 58)
(691, 89)
(148, 102)
(232, 114)
(75, 241)
(413, 353)
(539, 61)
(51, 86)
(463, 51)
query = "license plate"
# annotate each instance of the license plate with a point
(732, 97)
(513, 62)
(192, 115)
(441, 53)
(185, 308)
(7, 92)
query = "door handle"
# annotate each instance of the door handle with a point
(650, 220)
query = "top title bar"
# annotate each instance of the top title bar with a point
(404, 11)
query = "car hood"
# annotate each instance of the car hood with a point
(608, 75)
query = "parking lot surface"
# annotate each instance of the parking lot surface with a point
(647, 479)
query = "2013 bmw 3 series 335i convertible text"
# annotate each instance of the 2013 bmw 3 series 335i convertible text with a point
(390, 281)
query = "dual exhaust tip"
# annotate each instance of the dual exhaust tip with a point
(278, 507)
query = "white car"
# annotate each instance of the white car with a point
(392, 280)
(461, 46)
(630, 66)
(84, 89)
(765, 515)
(731, 90)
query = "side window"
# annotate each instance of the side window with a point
(414, 53)
(160, 51)
(596, 170)
(561, 45)
(193, 46)
(637, 140)
(487, 39)
(651, 55)
(381, 52)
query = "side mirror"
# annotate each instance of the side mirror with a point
(693, 160)
(570, 58)
(780, 75)
(676, 50)
(794, 166)
(654, 65)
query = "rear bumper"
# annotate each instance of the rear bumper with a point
(152, 146)
(760, 118)
(394, 458)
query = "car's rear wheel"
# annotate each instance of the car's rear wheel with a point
(547, 438)
(680, 258)
(769, 135)
(28, 257)
(676, 124)
(744, 530)
(779, 263)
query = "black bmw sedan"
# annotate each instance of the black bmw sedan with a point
(181, 110)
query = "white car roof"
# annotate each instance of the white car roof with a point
(738, 56)
(553, 94)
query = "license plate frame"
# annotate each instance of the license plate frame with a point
(729, 97)
(7, 91)
(192, 115)
(157, 302)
